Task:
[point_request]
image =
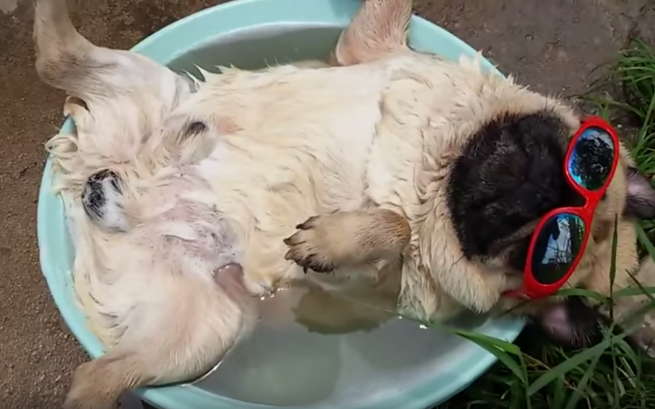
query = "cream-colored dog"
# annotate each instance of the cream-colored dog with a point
(188, 199)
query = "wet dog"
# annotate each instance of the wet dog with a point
(188, 199)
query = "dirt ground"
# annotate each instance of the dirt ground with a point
(550, 45)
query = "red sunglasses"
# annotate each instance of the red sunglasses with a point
(560, 239)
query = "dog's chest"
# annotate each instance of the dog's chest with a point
(300, 148)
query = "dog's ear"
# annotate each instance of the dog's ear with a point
(640, 201)
(571, 323)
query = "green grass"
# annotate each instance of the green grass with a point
(611, 374)
(633, 77)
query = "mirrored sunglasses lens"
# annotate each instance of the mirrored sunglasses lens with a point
(558, 243)
(592, 157)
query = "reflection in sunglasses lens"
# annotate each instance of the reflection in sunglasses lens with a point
(558, 243)
(592, 157)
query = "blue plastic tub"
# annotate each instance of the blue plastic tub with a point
(460, 364)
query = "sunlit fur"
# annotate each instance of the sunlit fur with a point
(340, 168)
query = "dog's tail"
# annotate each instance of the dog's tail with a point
(378, 29)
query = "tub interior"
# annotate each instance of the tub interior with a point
(261, 46)
(284, 363)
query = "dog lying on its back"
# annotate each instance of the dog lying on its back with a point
(188, 198)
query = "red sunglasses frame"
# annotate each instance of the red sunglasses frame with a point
(533, 289)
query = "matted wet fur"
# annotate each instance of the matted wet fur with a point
(187, 199)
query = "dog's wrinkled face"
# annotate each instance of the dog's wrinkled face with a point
(510, 174)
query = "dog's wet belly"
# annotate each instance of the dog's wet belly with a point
(189, 213)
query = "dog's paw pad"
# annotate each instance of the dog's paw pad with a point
(102, 200)
(308, 250)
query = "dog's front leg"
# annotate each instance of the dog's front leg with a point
(323, 243)
(626, 309)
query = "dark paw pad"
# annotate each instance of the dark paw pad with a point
(102, 200)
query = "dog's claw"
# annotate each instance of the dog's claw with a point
(307, 224)
(303, 249)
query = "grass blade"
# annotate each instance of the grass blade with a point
(582, 386)
(580, 292)
(566, 366)
(501, 349)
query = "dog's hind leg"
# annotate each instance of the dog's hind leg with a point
(68, 61)
(128, 95)
(183, 329)
(378, 29)
(120, 102)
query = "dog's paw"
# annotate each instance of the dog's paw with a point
(644, 336)
(85, 392)
(102, 200)
(310, 246)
